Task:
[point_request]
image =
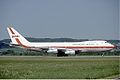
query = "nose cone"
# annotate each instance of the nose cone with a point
(113, 46)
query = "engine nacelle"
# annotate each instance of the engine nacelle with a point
(69, 51)
(52, 50)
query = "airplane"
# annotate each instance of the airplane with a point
(60, 48)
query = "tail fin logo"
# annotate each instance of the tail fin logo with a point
(13, 36)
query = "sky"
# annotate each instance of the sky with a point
(78, 19)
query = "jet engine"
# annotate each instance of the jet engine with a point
(52, 50)
(69, 51)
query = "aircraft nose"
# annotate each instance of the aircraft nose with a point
(114, 46)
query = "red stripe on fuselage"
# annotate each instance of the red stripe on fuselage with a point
(83, 47)
(18, 41)
(72, 47)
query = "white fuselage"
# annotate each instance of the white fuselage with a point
(82, 46)
(59, 47)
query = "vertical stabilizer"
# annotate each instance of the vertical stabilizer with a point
(17, 38)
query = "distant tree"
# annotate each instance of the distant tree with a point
(10, 52)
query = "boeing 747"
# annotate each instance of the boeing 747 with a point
(60, 48)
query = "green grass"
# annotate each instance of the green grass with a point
(58, 68)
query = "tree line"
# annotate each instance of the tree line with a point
(11, 52)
